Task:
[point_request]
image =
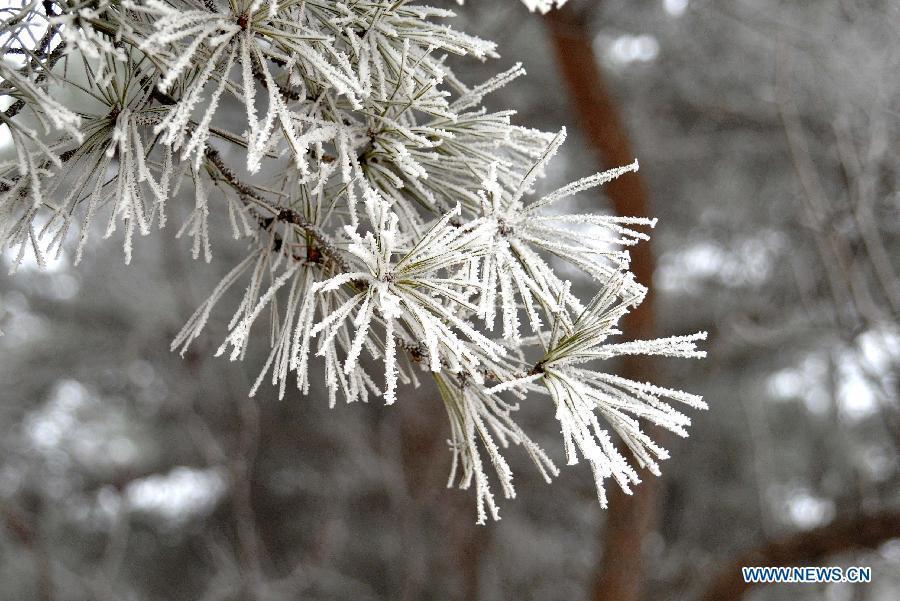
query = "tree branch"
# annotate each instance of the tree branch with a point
(286, 215)
(811, 546)
(40, 52)
(630, 518)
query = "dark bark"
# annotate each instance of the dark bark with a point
(455, 561)
(23, 526)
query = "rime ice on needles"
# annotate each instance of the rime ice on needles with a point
(418, 290)
(513, 268)
(389, 217)
(581, 395)
(479, 419)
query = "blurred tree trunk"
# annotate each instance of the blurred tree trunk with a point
(456, 561)
(620, 574)
(23, 527)
(804, 548)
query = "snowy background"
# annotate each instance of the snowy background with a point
(766, 133)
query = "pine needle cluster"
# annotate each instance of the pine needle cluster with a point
(391, 221)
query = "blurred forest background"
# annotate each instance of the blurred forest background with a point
(767, 133)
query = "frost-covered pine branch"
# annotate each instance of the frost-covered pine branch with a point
(392, 223)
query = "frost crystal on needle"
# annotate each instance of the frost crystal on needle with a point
(389, 218)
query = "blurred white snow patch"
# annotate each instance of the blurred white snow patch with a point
(75, 426)
(855, 394)
(641, 48)
(746, 262)
(543, 6)
(806, 510)
(890, 550)
(46, 429)
(183, 494)
(879, 462)
(838, 591)
(858, 373)
(20, 324)
(867, 370)
(786, 384)
(627, 48)
(675, 8)
(54, 279)
(880, 348)
(807, 382)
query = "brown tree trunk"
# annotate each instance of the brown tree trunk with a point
(620, 574)
(23, 526)
(455, 563)
(811, 546)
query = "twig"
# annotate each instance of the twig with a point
(286, 215)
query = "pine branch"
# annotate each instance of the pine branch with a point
(284, 215)
(40, 53)
(620, 572)
(412, 201)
